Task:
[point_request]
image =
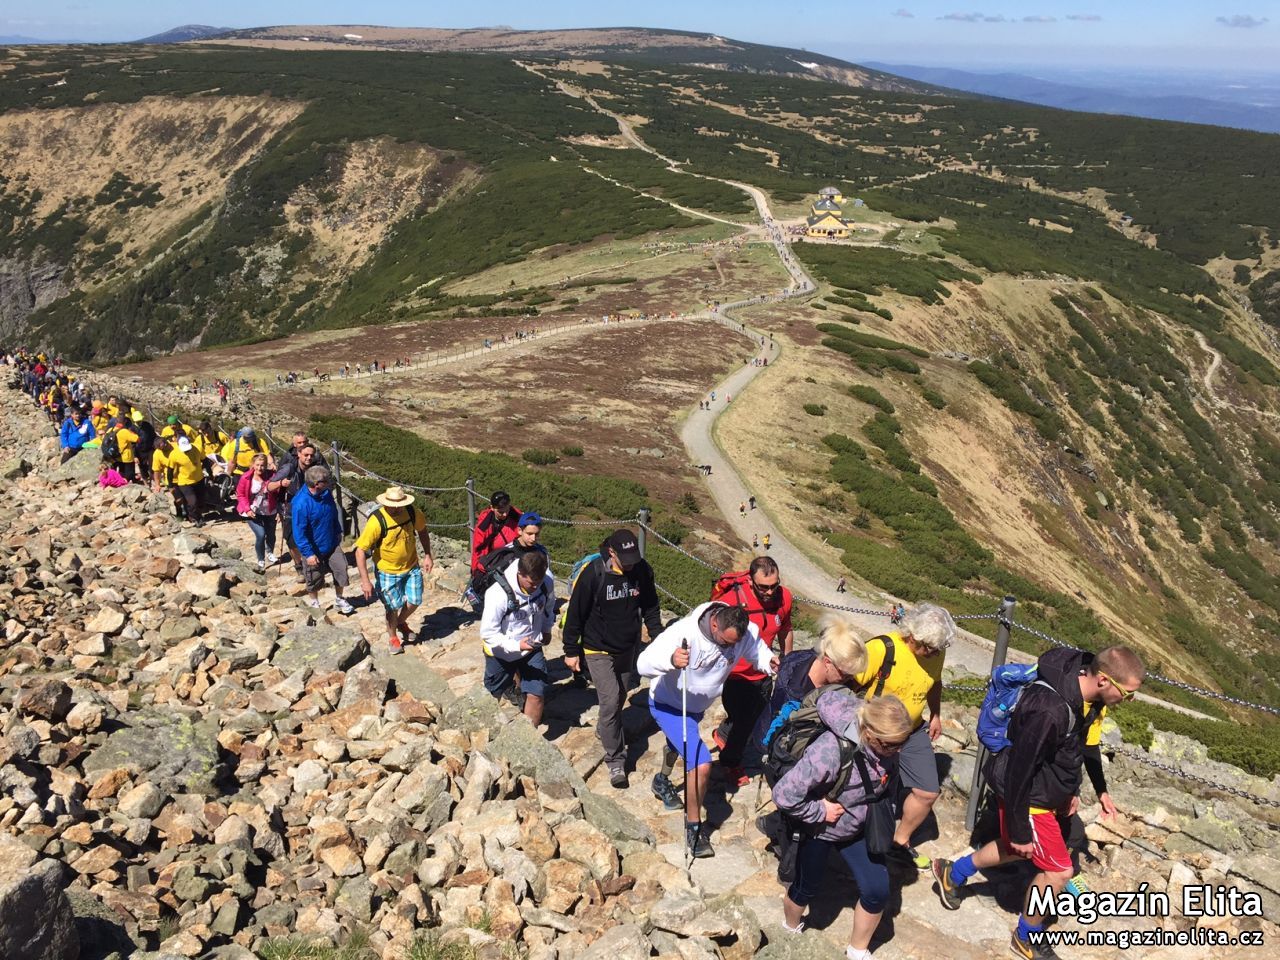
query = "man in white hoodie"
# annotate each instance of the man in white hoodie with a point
(688, 664)
(519, 609)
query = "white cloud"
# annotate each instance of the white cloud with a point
(1040, 18)
(1243, 21)
(1084, 17)
(974, 18)
(903, 12)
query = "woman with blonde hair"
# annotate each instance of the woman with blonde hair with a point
(839, 657)
(259, 504)
(876, 729)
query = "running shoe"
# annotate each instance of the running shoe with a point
(396, 646)
(948, 891)
(343, 607)
(1077, 885)
(909, 854)
(697, 841)
(1031, 951)
(618, 777)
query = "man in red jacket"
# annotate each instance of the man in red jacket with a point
(760, 592)
(495, 528)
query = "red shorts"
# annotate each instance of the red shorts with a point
(1049, 849)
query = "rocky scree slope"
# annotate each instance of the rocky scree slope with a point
(203, 764)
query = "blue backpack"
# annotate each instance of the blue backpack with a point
(1008, 683)
(574, 574)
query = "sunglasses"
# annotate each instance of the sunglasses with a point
(766, 588)
(1126, 693)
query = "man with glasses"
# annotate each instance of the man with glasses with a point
(907, 663)
(760, 592)
(1053, 734)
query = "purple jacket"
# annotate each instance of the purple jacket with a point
(802, 789)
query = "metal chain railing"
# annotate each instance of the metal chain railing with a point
(671, 596)
(587, 523)
(1184, 775)
(678, 549)
(1160, 678)
(397, 483)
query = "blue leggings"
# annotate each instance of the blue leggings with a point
(669, 723)
(264, 534)
(871, 875)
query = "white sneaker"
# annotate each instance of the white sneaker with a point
(313, 604)
(272, 559)
(853, 953)
(262, 565)
(343, 607)
(798, 928)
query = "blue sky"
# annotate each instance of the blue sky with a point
(1226, 34)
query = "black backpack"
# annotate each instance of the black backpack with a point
(493, 565)
(110, 446)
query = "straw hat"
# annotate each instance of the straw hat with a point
(395, 497)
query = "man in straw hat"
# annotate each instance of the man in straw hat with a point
(389, 534)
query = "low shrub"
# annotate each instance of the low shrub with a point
(540, 457)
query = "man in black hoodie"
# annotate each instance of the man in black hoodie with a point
(1053, 734)
(613, 595)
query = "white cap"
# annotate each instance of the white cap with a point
(184, 443)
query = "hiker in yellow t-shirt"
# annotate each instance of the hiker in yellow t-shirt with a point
(914, 677)
(126, 437)
(239, 453)
(389, 535)
(178, 465)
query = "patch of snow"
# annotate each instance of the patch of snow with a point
(352, 36)
(807, 66)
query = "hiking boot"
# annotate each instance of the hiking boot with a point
(618, 777)
(343, 607)
(948, 891)
(396, 646)
(735, 777)
(665, 791)
(696, 841)
(909, 854)
(1031, 951)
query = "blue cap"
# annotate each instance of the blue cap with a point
(530, 519)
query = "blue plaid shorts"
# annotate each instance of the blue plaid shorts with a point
(399, 589)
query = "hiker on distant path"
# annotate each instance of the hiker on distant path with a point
(1052, 734)
(909, 662)
(751, 502)
(742, 509)
(259, 505)
(389, 534)
(841, 584)
(287, 482)
(495, 528)
(178, 465)
(874, 732)
(613, 595)
(759, 591)
(519, 611)
(767, 542)
(839, 656)
(75, 433)
(318, 533)
(688, 667)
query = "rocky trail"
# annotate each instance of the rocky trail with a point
(203, 763)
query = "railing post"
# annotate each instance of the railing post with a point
(471, 504)
(1004, 621)
(337, 484)
(642, 538)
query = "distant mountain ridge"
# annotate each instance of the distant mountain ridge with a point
(1092, 99)
(185, 34)
(587, 43)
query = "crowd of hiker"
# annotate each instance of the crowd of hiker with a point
(842, 732)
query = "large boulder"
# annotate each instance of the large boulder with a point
(174, 752)
(36, 919)
(322, 648)
(49, 700)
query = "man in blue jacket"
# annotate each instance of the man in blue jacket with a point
(318, 533)
(76, 432)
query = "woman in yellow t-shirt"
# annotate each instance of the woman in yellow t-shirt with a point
(915, 678)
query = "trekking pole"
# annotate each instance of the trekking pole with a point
(684, 753)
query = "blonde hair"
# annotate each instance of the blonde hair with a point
(931, 626)
(839, 642)
(886, 719)
(253, 464)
